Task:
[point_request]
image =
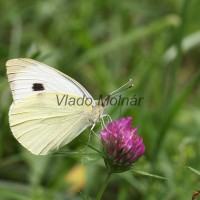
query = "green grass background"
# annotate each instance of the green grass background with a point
(102, 44)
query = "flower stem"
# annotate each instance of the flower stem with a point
(103, 186)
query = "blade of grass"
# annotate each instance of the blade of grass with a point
(172, 113)
(177, 62)
(172, 108)
(194, 170)
(188, 43)
(130, 38)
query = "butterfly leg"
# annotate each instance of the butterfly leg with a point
(109, 119)
(103, 124)
(91, 130)
(87, 141)
(92, 127)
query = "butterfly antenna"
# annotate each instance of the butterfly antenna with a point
(120, 111)
(120, 89)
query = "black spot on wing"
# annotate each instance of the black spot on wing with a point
(38, 87)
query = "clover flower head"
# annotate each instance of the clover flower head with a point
(121, 144)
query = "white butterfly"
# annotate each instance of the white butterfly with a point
(36, 119)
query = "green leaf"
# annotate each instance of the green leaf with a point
(131, 37)
(148, 174)
(194, 170)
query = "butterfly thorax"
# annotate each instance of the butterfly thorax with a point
(96, 112)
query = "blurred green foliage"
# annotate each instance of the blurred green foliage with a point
(102, 44)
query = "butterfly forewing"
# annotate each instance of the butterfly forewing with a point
(27, 77)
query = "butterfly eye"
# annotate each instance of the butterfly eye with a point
(37, 87)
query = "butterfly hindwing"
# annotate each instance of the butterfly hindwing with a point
(41, 125)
